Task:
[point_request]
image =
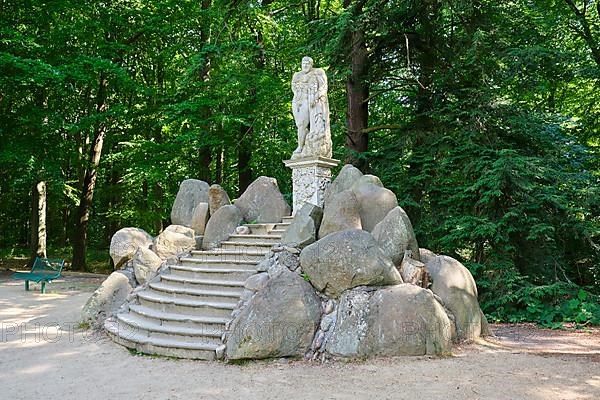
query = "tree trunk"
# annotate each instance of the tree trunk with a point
(244, 157)
(357, 92)
(38, 222)
(247, 131)
(80, 239)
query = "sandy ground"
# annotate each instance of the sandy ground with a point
(43, 354)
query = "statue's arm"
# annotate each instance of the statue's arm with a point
(322, 80)
(295, 80)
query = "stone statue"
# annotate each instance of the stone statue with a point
(311, 111)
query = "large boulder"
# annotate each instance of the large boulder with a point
(191, 193)
(341, 212)
(372, 179)
(217, 198)
(374, 203)
(304, 227)
(395, 235)
(262, 202)
(125, 242)
(145, 264)
(220, 226)
(107, 299)
(279, 321)
(344, 181)
(394, 321)
(347, 259)
(174, 240)
(455, 285)
(200, 218)
(426, 256)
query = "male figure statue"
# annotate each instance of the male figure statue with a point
(311, 111)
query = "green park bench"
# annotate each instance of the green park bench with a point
(43, 270)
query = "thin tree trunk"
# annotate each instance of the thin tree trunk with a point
(357, 92)
(244, 157)
(245, 173)
(38, 222)
(80, 238)
(219, 166)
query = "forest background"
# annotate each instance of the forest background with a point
(481, 115)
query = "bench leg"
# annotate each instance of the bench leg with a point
(27, 285)
(43, 287)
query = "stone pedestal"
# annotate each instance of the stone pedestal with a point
(310, 177)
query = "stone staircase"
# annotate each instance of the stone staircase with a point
(183, 314)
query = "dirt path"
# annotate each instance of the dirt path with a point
(44, 355)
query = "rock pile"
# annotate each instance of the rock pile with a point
(202, 217)
(350, 281)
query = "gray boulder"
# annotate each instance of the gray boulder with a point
(217, 198)
(145, 264)
(374, 203)
(174, 240)
(257, 281)
(347, 259)
(372, 179)
(262, 202)
(107, 299)
(426, 255)
(455, 285)
(347, 177)
(125, 242)
(395, 235)
(180, 229)
(304, 227)
(200, 218)
(220, 226)
(393, 321)
(341, 212)
(279, 321)
(191, 193)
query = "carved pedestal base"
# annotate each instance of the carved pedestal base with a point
(310, 177)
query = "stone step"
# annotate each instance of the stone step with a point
(248, 247)
(128, 323)
(169, 304)
(225, 285)
(170, 347)
(264, 229)
(180, 292)
(255, 238)
(287, 219)
(202, 272)
(278, 231)
(218, 264)
(215, 255)
(178, 320)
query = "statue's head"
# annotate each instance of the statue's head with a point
(307, 64)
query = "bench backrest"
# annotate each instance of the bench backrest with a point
(47, 267)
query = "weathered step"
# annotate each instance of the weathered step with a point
(287, 219)
(180, 292)
(264, 229)
(226, 285)
(278, 231)
(169, 304)
(255, 238)
(218, 264)
(220, 254)
(131, 324)
(248, 246)
(175, 319)
(166, 347)
(202, 272)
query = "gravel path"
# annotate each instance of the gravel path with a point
(43, 354)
